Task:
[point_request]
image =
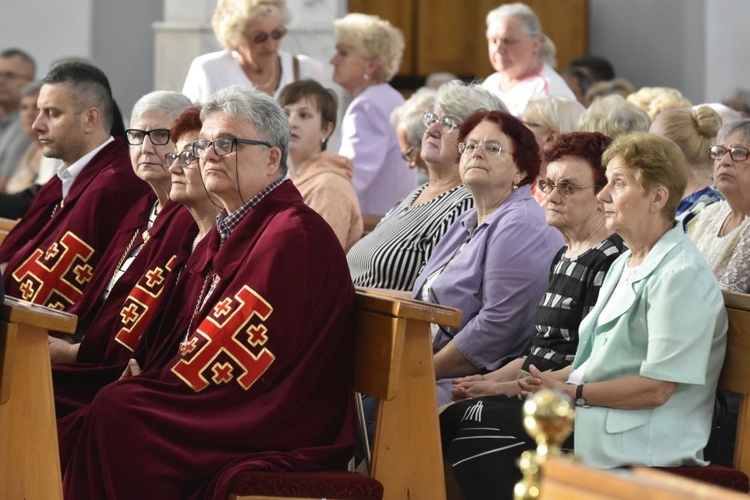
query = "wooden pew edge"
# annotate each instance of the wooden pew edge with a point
(15, 310)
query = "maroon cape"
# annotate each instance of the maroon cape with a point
(53, 252)
(264, 381)
(117, 327)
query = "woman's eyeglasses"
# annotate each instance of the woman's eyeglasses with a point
(184, 159)
(406, 155)
(446, 123)
(158, 136)
(490, 148)
(565, 188)
(735, 153)
(262, 37)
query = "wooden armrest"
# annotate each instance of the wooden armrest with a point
(372, 300)
(16, 310)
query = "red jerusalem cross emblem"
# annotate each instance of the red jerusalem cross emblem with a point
(140, 304)
(56, 277)
(226, 330)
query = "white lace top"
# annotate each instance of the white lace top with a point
(728, 256)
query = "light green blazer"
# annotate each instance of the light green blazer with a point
(670, 326)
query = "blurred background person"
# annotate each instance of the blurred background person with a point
(654, 100)
(493, 262)
(694, 131)
(597, 67)
(410, 128)
(722, 230)
(251, 32)
(324, 179)
(613, 116)
(515, 44)
(579, 82)
(396, 250)
(368, 55)
(619, 86)
(25, 173)
(17, 69)
(548, 118)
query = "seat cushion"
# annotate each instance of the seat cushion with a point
(715, 474)
(331, 485)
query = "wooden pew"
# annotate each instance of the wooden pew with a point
(564, 480)
(394, 363)
(735, 374)
(29, 458)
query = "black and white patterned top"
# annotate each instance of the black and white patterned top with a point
(574, 286)
(394, 253)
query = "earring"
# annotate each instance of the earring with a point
(366, 76)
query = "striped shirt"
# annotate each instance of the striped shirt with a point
(394, 253)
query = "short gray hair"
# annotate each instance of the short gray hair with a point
(410, 113)
(461, 99)
(254, 107)
(613, 116)
(555, 112)
(160, 101)
(742, 125)
(531, 24)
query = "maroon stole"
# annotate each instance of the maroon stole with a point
(53, 252)
(263, 379)
(118, 325)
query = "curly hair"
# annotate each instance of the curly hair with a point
(525, 149)
(373, 37)
(231, 18)
(588, 146)
(654, 100)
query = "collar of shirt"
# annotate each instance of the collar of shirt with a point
(68, 174)
(226, 223)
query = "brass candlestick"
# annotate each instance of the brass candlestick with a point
(548, 418)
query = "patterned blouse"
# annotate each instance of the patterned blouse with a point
(573, 289)
(692, 204)
(729, 255)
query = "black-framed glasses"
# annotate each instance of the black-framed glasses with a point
(565, 188)
(406, 155)
(491, 148)
(158, 136)
(223, 145)
(261, 37)
(735, 153)
(447, 123)
(184, 159)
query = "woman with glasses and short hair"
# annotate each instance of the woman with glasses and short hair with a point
(251, 32)
(722, 230)
(410, 128)
(494, 260)
(394, 253)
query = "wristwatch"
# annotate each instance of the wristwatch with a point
(580, 400)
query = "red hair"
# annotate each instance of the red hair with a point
(588, 146)
(188, 121)
(525, 148)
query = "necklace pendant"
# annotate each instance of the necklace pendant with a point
(145, 236)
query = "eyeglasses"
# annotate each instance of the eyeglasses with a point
(488, 147)
(446, 123)
(223, 146)
(158, 136)
(261, 37)
(406, 155)
(184, 159)
(565, 188)
(735, 153)
(13, 76)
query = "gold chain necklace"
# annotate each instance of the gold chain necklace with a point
(198, 304)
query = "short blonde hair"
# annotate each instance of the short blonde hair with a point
(654, 100)
(656, 161)
(373, 37)
(231, 18)
(613, 115)
(554, 112)
(693, 130)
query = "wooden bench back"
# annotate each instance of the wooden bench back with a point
(735, 374)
